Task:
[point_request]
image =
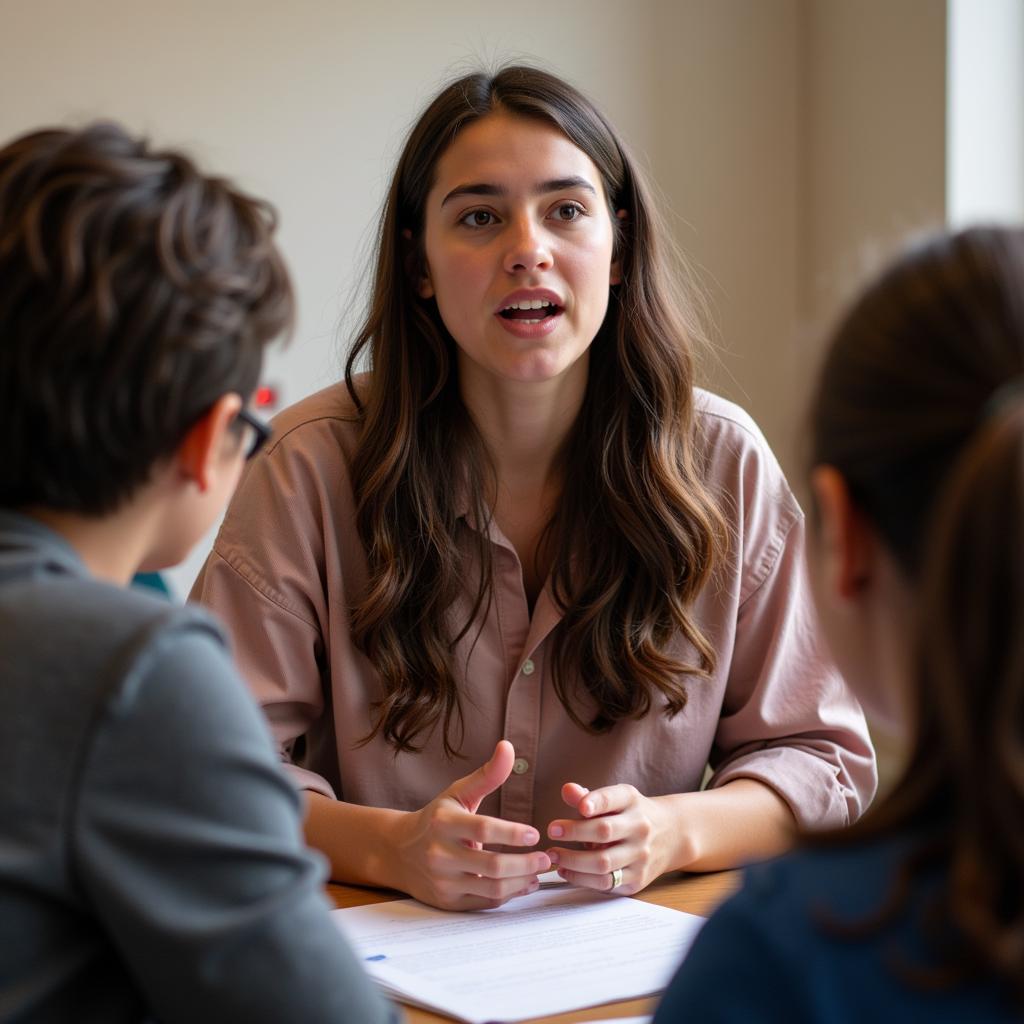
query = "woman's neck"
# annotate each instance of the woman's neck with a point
(523, 424)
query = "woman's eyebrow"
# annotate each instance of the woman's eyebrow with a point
(541, 188)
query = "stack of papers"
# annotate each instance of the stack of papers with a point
(555, 950)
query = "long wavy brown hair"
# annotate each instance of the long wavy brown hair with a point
(635, 535)
(921, 408)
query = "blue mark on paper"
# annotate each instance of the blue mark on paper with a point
(376, 956)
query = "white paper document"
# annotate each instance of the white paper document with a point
(555, 950)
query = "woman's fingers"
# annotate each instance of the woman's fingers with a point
(453, 887)
(608, 800)
(485, 864)
(573, 793)
(597, 830)
(620, 835)
(630, 881)
(601, 861)
(499, 889)
(457, 824)
(444, 844)
(448, 863)
(471, 789)
(457, 871)
(624, 868)
(603, 818)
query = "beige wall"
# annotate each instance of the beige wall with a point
(727, 160)
(787, 136)
(873, 140)
(303, 102)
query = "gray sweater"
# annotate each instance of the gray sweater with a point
(150, 855)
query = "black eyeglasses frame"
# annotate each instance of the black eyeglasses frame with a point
(261, 431)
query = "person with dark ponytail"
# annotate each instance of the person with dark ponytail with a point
(917, 911)
(524, 540)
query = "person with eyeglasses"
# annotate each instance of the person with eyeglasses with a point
(151, 861)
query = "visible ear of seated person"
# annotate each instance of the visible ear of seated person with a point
(150, 860)
(917, 911)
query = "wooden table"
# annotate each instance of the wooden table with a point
(696, 894)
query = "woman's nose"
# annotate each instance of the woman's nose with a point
(527, 247)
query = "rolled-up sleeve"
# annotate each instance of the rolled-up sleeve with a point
(788, 719)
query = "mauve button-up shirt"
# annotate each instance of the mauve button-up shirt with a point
(288, 565)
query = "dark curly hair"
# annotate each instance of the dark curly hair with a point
(136, 291)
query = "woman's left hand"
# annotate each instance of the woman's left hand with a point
(623, 831)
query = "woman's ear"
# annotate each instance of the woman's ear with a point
(200, 456)
(616, 270)
(424, 285)
(846, 541)
(416, 267)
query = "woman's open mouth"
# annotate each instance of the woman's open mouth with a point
(530, 311)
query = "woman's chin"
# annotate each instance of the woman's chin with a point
(540, 368)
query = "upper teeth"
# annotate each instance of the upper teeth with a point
(529, 304)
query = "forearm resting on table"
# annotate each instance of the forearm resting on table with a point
(358, 841)
(743, 821)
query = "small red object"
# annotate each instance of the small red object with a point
(265, 396)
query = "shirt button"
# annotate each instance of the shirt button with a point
(528, 667)
(520, 765)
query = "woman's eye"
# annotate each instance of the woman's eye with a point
(478, 219)
(568, 211)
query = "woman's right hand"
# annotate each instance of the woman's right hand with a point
(439, 849)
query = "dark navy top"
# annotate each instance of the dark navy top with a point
(770, 954)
